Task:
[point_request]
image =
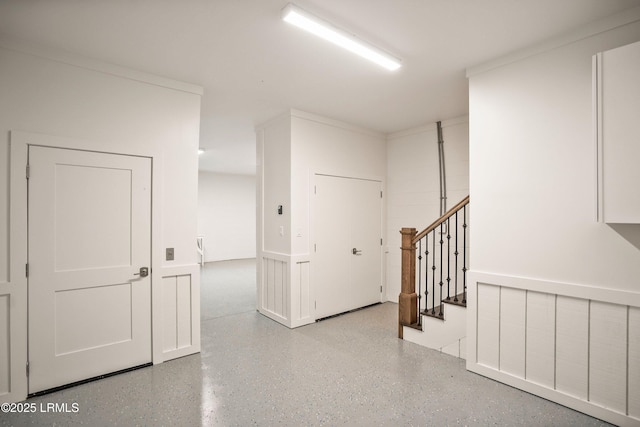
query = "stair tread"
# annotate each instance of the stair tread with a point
(435, 313)
(461, 300)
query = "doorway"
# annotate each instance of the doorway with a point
(348, 244)
(89, 253)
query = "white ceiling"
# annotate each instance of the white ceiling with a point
(253, 66)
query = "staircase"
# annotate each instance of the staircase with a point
(432, 303)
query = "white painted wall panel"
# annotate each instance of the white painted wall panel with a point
(634, 362)
(304, 290)
(488, 341)
(274, 287)
(513, 309)
(227, 215)
(620, 103)
(278, 282)
(5, 356)
(169, 314)
(541, 338)
(178, 314)
(608, 356)
(105, 111)
(532, 155)
(184, 318)
(572, 351)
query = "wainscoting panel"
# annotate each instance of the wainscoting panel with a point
(5, 356)
(540, 345)
(489, 325)
(180, 311)
(275, 286)
(572, 351)
(302, 291)
(285, 293)
(608, 355)
(576, 345)
(512, 331)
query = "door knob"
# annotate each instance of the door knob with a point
(144, 272)
(356, 251)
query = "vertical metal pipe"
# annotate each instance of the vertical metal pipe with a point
(443, 175)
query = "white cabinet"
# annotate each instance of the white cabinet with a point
(617, 109)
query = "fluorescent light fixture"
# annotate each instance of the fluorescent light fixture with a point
(321, 28)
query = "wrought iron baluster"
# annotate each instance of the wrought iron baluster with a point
(433, 274)
(419, 280)
(464, 257)
(448, 260)
(455, 271)
(426, 274)
(441, 282)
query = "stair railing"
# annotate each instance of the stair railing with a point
(444, 277)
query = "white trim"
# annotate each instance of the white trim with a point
(431, 127)
(556, 396)
(18, 381)
(299, 114)
(99, 66)
(333, 123)
(586, 292)
(589, 30)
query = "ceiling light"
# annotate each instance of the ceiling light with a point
(321, 28)
(200, 151)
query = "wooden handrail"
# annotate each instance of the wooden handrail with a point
(440, 220)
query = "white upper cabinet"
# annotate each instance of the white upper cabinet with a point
(617, 109)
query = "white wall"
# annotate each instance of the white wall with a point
(227, 215)
(413, 186)
(291, 149)
(554, 296)
(100, 107)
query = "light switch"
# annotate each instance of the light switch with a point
(282, 230)
(169, 253)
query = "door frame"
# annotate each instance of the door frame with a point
(18, 251)
(383, 224)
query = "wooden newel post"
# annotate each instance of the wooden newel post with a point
(408, 300)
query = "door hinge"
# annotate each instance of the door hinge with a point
(380, 288)
(380, 241)
(315, 249)
(28, 171)
(381, 194)
(315, 189)
(26, 270)
(27, 368)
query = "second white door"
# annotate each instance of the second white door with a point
(348, 244)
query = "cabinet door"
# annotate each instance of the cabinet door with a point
(618, 96)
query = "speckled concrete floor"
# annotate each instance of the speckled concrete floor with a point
(349, 370)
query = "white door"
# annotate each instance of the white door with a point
(89, 234)
(348, 247)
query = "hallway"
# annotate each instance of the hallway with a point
(348, 370)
